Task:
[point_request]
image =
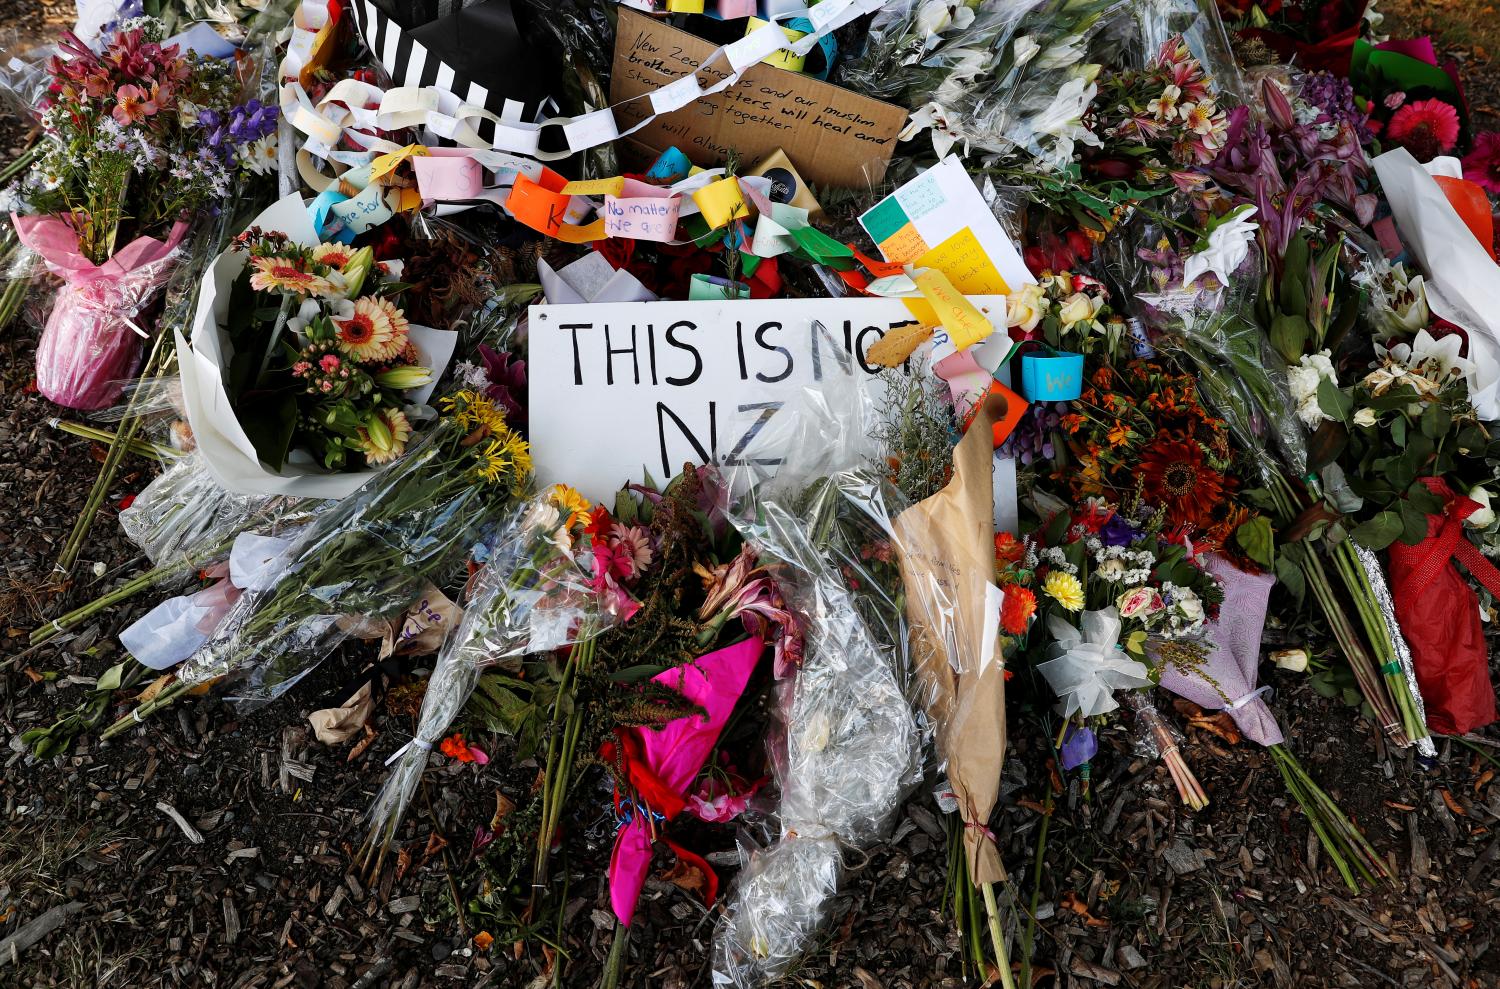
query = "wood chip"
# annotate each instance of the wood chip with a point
(188, 830)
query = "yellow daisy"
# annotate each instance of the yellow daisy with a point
(384, 436)
(573, 502)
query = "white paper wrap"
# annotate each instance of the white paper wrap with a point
(222, 442)
(1463, 281)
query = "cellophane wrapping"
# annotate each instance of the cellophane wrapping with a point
(851, 746)
(530, 597)
(91, 343)
(185, 515)
(366, 557)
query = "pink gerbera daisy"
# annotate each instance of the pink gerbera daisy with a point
(1426, 128)
(1482, 165)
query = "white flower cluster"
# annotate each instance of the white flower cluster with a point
(1053, 557)
(1122, 565)
(1304, 378)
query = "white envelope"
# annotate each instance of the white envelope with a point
(226, 449)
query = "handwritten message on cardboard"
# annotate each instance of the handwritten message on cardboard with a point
(836, 138)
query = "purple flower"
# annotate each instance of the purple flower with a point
(1118, 532)
(1078, 747)
(507, 383)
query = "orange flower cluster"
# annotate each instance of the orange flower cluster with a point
(454, 747)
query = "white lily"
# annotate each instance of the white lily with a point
(1228, 246)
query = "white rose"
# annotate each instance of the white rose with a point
(1486, 514)
(1364, 417)
(1075, 309)
(1188, 605)
(1291, 660)
(1111, 568)
(1024, 308)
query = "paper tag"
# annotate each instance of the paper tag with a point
(964, 324)
(641, 219)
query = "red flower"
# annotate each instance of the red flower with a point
(1177, 478)
(454, 747)
(1008, 549)
(1016, 611)
(1482, 165)
(1426, 128)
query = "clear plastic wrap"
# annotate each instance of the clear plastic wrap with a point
(852, 744)
(1239, 373)
(184, 514)
(367, 556)
(533, 596)
(1016, 79)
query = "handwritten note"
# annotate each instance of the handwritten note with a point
(641, 219)
(836, 138)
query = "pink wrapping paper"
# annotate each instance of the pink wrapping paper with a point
(92, 341)
(1234, 661)
(677, 751)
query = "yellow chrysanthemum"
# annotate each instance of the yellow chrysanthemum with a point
(573, 502)
(471, 410)
(505, 455)
(1065, 589)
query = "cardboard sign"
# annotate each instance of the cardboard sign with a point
(617, 390)
(838, 139)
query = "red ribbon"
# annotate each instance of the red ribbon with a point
(1447, 543)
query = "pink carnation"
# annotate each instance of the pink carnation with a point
(1482, 165)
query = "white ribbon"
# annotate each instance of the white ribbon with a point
(415, 742)
(1241, 702)
(1088, 666)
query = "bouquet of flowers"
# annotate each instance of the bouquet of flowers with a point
(307, 375)
(137, 140)
(369, 556)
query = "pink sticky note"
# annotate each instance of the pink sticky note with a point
(448, 178)
(641, 218)
(730, 9)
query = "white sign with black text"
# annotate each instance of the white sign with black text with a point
(619, 390)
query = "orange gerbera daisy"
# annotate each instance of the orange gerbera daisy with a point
(454, 747)
(1008, 549)
(376, 332)
(282, 275)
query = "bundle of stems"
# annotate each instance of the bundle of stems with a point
(1345, 844)
(562, 746)
(1164, 741)
(1379, 676)
(141, 448)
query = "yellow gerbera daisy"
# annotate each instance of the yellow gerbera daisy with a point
(333, 255)
(573, 502)
(376, 332)
(281, 275)
(1065, 589)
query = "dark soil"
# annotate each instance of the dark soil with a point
(1134, 891)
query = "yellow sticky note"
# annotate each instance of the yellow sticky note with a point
(721, 202)
(596, 187)
(965, 324)
(685, 6)
(782, 58)
(966, 264)
(904, 246)
(388, 163)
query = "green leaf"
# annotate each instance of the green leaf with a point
(1291, 578)
(1295, 276)
(1325, 445)
(269, 422)
(110, 678)
(1289, 333)
(635, 674)
(1334, 401)
(1380, 531)
(1436, 422)
(1258, 540)
(1414, 522)
(1324, 686)
(1398, 430)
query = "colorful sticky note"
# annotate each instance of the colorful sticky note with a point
(884, 219)
(964, 324)
(721, 202)
(712, 288)
(671, 166)
(963, 260)
(641, 218)
(448, 178)
(782, 58)
(905, 246)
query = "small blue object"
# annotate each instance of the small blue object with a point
(1078, 747)
(1055, 377)
(826, 45)
(671, 166)
(318, 209)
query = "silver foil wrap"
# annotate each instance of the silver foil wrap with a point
(1376, 577)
